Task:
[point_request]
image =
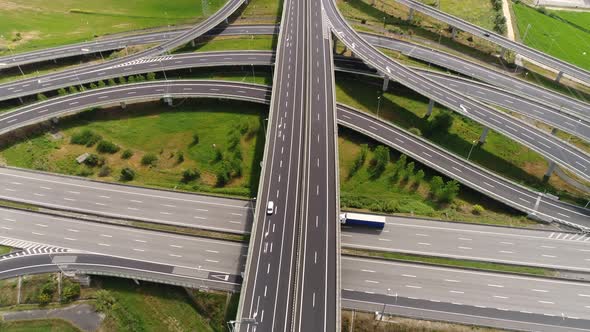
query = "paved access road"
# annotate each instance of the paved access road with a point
(469, 174)
(126, 202)
(538, 56)
(559, 151)
(267, 298)
(552, 249)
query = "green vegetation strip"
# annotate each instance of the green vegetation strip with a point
(16, 205)
(191, 231)
(4, 250)
(450, 262)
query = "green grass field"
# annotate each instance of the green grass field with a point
(553, 36)
(149, 128)
(478, 12)
(43, 325)
(258, 43)
(4, 250)
(50, 23)
(581, 19)
(154, 307)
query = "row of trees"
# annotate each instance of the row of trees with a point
(499, 18)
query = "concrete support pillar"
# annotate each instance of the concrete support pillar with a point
(168, 100)
(502, 53)
(550, 170)
(21, 100)
(18, 289)
(54, 60)
(554, 131)
(385, 83)
(123, 105)
(430, 106)
(226, 20)
(193, 43)
(411, 15)
(454, 33)
(59, 276)
(484, 135)
(559, 76)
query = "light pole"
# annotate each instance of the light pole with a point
(12, 53)
(471, 150)
(385, 304)
(378, 105)
(526, 32)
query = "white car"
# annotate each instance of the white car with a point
(270, 207)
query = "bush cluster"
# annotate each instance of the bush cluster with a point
(85, 137)
(107, 147)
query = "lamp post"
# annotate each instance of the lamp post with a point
(385, 304)
(471, 150)
(378, 105)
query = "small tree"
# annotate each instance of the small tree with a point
(127, 154)
(190, 175)
(107, 147)
(62, 92)
(419, 176)
(131, 79)
(195, 139)
(72, 89)
(149, 159)
(180, 157)
(112, 82)
(70, 292)
(442, 122)
(409, 172)
(104, 171)
(139, 78)
(477, 209)
(436, 185)
(380, 160)
(127, 174)
(449, 191)
(101, 84)
(122, 80)
(151, 76)
(93, 85)
(41, 97)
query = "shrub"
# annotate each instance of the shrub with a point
(43, 298)
(449, 191)
(93, 85)
(359, 161)
(41, 97)
(70, 292)
(180, 157)
(217, 155)
(104, 171)
(72, 89)
(104, 300)
(62, 92)
(379, 161)
(94, 160)
(415, 131)
(101, 84)
(477, 209)
(419, 176)
(122, 80)
(222, 175)
(112, 82)
(149, 159)
(195, 139)
(127, 154)
(127, 174)
(85, 137)
(139, 78)
(131, 79)
(409, 171)
(151, 76)
(107, 147)
(436, 185)
(190, 175)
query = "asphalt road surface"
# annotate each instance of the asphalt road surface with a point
(266, 302)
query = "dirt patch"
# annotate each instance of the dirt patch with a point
(18, 38)
(11, 5)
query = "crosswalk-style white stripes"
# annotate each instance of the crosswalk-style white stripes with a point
(582, 237)
(28, 248)
(145, 60)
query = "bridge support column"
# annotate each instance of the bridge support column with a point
(385, 83)
(411, 15)
(226, 20)
(59, 277)
(502, 53)
(454, 33)
(55, 61)
(559, 76)
(484, 135)
(18, 289)
(21, 100)
(430, 106)
(550, 170)
(168, 100)
(123, 105)
(193, 43)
